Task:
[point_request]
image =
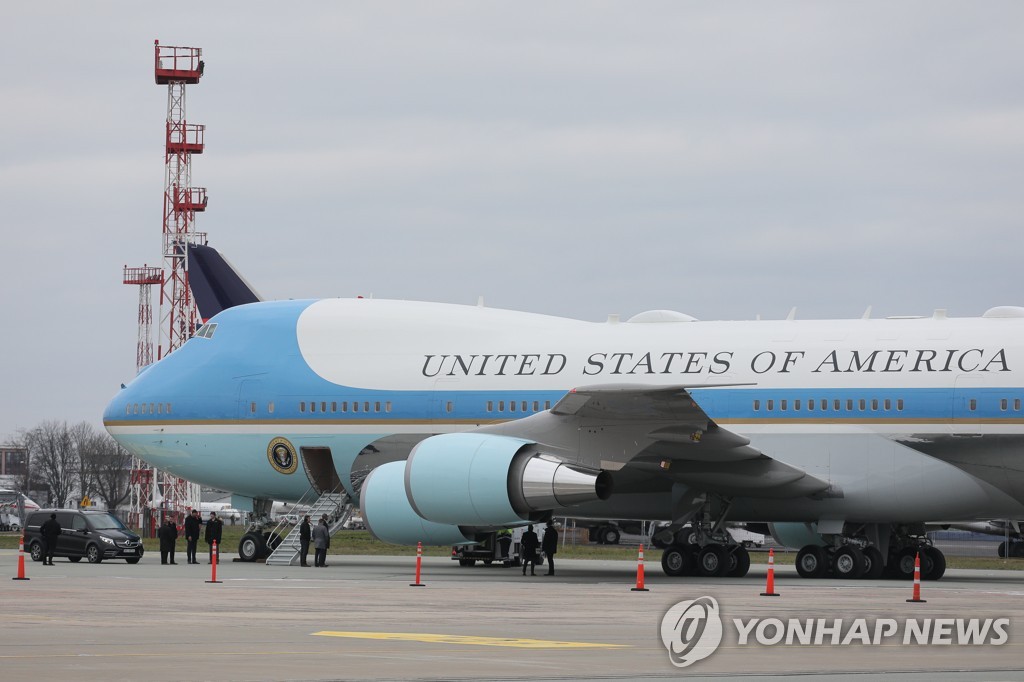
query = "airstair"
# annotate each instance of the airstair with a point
(338, 508)
(326, 496)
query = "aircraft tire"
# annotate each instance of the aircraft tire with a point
(938, 564)
(903, 566)
(251, 547)
(848, 562)
(812, 562)
(1001, 550)
(677, 560)
(1016, 549)
(713, 561)
(739, 563)
(874, 564)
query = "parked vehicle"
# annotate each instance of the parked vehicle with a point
(95, 535)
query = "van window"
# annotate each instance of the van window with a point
(78, 523)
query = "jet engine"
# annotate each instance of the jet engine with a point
(479, 479)
(455, 484)
(389, 517)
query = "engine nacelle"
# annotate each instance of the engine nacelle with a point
(389, 516)
(478, 479)
(796, 535)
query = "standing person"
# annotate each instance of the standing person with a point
(321, 540)
(192, 524)
(529, 545)
(549, 545)
(305, 534)
(50, 532)
(168, 535)
(214, 528)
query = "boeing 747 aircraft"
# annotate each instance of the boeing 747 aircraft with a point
(444, 421)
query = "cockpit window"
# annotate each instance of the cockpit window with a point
(207, 330)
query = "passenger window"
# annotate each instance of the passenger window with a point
(355, 406)
(1003, 404)
(849, 405)
(874, 404)
(796, 405)
(1016, 404)
(448, 406)
(547, 404)
(836, 404)
(824, 405)
(168, 408)
(888, 404)
(366, 406)
(128, 409)
(861, 404)
(490, 406)
(899, 405)
(512, 406)
(757, 406)
(523, 406)
(501, 406)
(771, 405)
(152, 408)
(159, 408)
(973, 405)
(334, 406)
(782, 405)
(312, 406)
(344, 406)
(252, 407)
(135, 408)
(387, 406)
(323, 406)
(270, 407)
(536, 406)
(810, 405)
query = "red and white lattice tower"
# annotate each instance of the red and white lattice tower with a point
(178, 67)
(144, 278)
(157, 495)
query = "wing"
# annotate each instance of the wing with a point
(662, 432)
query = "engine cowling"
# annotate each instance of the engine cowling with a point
(796, 535)
(476, 479)
(390, 518)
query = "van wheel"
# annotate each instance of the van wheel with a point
(36, 551)
(93, 554)
(130, 561)
(74, 559)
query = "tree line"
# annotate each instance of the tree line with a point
(73, 460)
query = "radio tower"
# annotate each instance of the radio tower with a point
(155, 494)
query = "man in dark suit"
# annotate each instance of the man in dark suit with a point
(549, 545)
(529, 543)
(214, 528)
(192, 524)
(168, 535)
(305, 533)
(50, 531)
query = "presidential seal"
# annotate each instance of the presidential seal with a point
(282, 457)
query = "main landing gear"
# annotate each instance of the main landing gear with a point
(711, 555)
(854, 557)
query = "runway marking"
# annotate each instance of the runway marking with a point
(472, 640)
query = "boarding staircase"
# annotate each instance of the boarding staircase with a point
(338, 507)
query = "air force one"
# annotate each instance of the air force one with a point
(446, 421)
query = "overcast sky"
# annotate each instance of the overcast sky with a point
(571, 158)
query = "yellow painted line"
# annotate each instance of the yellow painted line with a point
(476, 641)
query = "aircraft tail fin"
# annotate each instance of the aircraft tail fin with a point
(215, 283)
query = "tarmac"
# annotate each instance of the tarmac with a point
(360, 619)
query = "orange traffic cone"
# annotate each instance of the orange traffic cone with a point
(213, 563)
(21, 560)
(770, 587)
(419, 564)
(640, 573)
(917, 580)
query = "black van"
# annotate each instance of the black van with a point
(95, 535)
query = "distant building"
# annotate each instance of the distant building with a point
(13, 460)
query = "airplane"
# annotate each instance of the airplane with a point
(10, 515)
(445, 421)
